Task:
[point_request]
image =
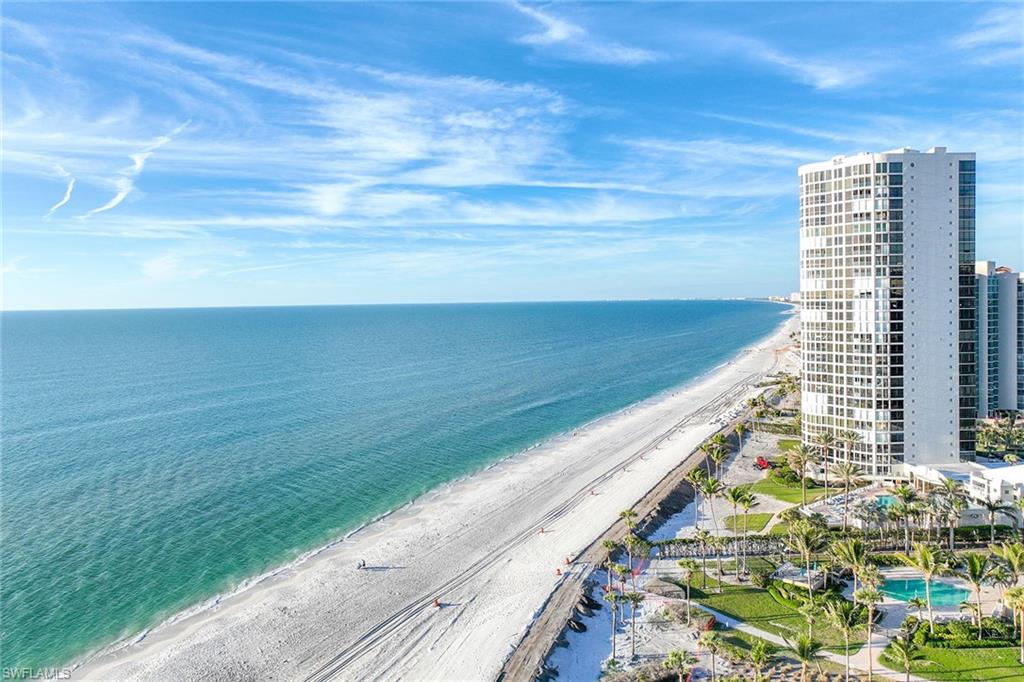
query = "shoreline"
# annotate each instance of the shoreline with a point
(129, 655)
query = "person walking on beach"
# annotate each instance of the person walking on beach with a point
(361, 565)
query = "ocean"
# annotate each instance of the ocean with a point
(152, 459)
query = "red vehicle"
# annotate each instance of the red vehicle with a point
(763, 464)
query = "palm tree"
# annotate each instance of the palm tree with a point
(1019, 504)
(610, 547)
(621, 572)
(712, 641)
(680, 662)
(711, 488)
(634, 599)
(850, 474)
(905, 652)
(628, 517)
(807, 651)
(825, 441)
(630, 543)
(741, 430)
(799, 459)
(844, 615)
(852, 554)
(688, 566)
(719, 453)
(703, 538)
(906, 497)
(849, 439)
(613, 604)
(719, 543)
(994, 507)
(926, 560)
(735, 497)
(695, 476)
(1014, 598)
(761, 656)
(919, 604)
(869, 597)
(976, 569)
(1012, 556)
(748, 502)
(805, 539)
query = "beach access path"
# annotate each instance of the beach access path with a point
(475, 547)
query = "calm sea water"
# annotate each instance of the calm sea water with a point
(152, 459)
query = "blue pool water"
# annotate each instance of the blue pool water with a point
(152, 459)
(886, 500)
(943, 594)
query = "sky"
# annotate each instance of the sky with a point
(180, 154)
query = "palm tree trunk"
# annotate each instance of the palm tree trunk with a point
(613, 632)
(978, 592)
(1022, 636)
(687, 602)
(928, 598)
(871, 655)
(632, 632)
(846, 637)
(810, 589)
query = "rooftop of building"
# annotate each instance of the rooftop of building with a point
(869, 157)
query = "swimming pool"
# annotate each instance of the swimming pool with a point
(886, 500)
(943, 594)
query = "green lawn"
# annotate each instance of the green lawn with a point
(787, 444)
(786, 493)
(754, 563)
(964, 665)
(755, 522)
(780, 528)
(758, 608)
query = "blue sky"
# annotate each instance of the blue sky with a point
(165, 154)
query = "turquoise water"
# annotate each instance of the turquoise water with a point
(152, 459)
(943, 594)
(886, 500)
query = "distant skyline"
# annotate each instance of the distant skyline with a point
(174, 155)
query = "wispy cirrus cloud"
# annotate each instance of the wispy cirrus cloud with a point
(125, 183)
(571, 41)
(67, 193)
(996, 38)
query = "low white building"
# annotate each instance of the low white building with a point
(994, 482)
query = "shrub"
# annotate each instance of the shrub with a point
(761, 579)
(958, 629)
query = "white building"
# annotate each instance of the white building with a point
(992, 482)
(1000, 329)
(887, 321)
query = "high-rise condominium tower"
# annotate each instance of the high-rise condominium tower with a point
(887, 325)
(1000, 329)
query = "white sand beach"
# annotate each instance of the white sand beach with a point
(474, 545)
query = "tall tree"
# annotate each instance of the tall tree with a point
(852, 554)
(1014, 598)
(688, 566)
(850, 475)
(869, 597)
(634, 599)
(711, 488)
(613, 606)
(977, 569)
(906, 498)
(844, 615)
(905, 652)
(807, 651)
(799, 459)
(826, 441)
(711, 641)
(994, 507)
(735, 496)
(806, 540)
(741, 430)
(761, 655)
(925, 560)
(680, 662)
(610, 547)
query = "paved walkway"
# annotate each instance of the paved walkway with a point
(831, 656)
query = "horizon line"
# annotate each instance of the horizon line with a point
(765, 299)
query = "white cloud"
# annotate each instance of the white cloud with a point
(125, 184)
(67, 193)
(169, 267)
(997, 37)
(576, 43)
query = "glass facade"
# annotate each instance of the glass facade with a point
(968, 310)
